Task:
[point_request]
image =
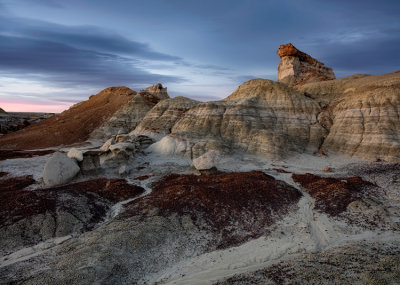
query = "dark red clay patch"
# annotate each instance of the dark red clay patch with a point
(234, 206)
(115, 190)
(332, 195)
(17, 204)
(12, 154)
(281, 170)
(143, 177)
(15, 183)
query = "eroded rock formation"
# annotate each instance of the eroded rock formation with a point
(73, 125)
(261, 117)
(159, 121)
(361, 114)
(131, 114)
(297, 67)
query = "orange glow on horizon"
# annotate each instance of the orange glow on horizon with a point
(33, 107)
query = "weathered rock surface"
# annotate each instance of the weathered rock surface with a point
(75, 154)
(261, 117)
(297, 67)
(361, 114)
(157, 91)
(125, 119)
(59, 169)
(159, 121)
(71, 126)
(28, 217)
(183, 217)
(367, 263)
(130, 115)
(207, 161)
(120, 149)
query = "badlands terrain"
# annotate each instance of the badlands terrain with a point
(288, 182)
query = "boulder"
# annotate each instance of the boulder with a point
(59, 169)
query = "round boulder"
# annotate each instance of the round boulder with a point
(59, 169)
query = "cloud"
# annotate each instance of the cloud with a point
(63, 65)
(83, 57)
(45, 3)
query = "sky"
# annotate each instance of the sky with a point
(55, 53)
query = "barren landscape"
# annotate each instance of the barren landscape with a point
(288, 182)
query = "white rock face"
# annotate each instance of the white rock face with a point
(207, 160)
(170, 146)
(75, 154)
(59, 169)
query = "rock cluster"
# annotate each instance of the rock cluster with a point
(297, 67)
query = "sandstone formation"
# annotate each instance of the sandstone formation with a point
(71, 126)
(159, 121)
(361, 115)
(356, 116)
(131, 114)
(157, 91)
(59, 169)
(297, 67)
(261, 117)
(120, 149)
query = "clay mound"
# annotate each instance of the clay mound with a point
(332, 195)
(71, 126)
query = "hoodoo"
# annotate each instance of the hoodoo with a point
(298, 68)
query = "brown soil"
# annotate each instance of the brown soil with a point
(71, 126)
(16, 203)
(332, 195)
(14, 183)
(11, 154)
(235, 206)
(281, 170)
(143, 177)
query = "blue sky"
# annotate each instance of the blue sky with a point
(54, 53)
